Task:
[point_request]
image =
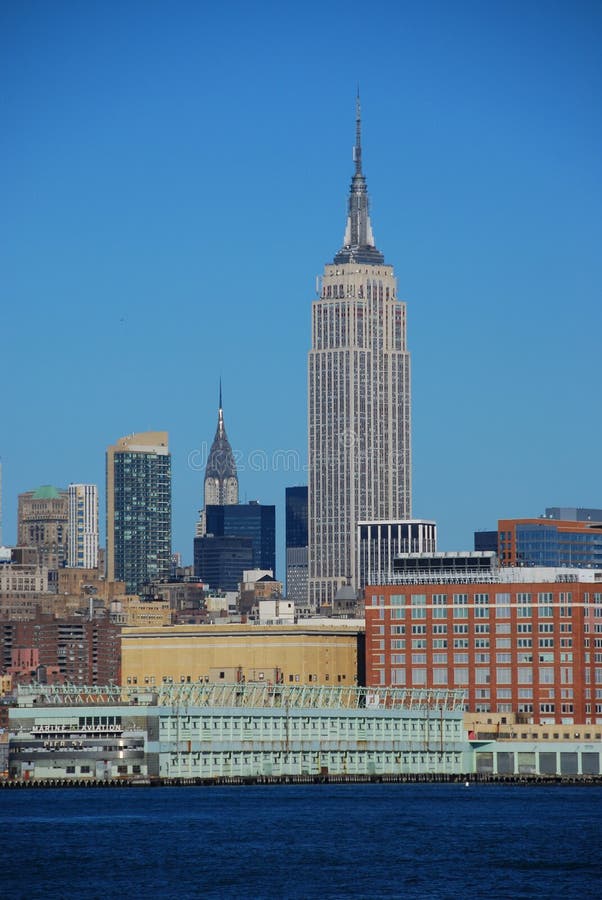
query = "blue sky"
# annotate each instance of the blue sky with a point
(174, 176)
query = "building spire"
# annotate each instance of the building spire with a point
(220, 413)
(358, 243)
(357, 150)
(221, 480)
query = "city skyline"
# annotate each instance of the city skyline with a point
(177, 216)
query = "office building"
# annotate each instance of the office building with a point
(546, 541)
(296, 544)
(379, 543)
(220, 560)
(358, 400)
(526, 641)
(252, 520)
(42, 522)
(139, 510)
(83, 526)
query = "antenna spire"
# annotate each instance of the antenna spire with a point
(357, 150)
(358, 242)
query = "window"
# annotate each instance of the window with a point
(460, 605)
(439, 676)
(481, 606)
(419, 676)
(545, 602)
(460, 676)
(546, 675)
(502, 606)
(439, 606)
(419, 606)
(503, 676)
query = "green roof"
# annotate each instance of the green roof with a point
(46, 492)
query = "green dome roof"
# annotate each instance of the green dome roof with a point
(46, 492)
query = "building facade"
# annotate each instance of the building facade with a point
(83, 526)
(358, 400)
(83, 651)
(245, 731)
(296, 654)
(521, 641)
(139, 510)
(549, 542)
(379, 543)
(296, 544)
(42, 522)
(252, 520)
(220, 561)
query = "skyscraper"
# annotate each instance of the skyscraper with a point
(83, 526)
(358, 399)
(221, 480)
(253, 520)
(139, 509)
(296, 544)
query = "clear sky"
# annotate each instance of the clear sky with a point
(174, 176)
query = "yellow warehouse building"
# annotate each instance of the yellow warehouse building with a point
(295, 654)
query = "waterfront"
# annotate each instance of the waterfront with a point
(329, 841)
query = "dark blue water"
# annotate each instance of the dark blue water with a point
(339, 841)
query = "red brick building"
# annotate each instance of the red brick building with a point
(83, 651)
(529, 647)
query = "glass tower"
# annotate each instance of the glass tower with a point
(139, 510)
(247, 520)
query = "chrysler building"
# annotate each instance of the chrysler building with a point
(358, 400)
(221, 479)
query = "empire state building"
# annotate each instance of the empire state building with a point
(358, 400)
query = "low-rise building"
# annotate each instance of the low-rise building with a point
(330, 654)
